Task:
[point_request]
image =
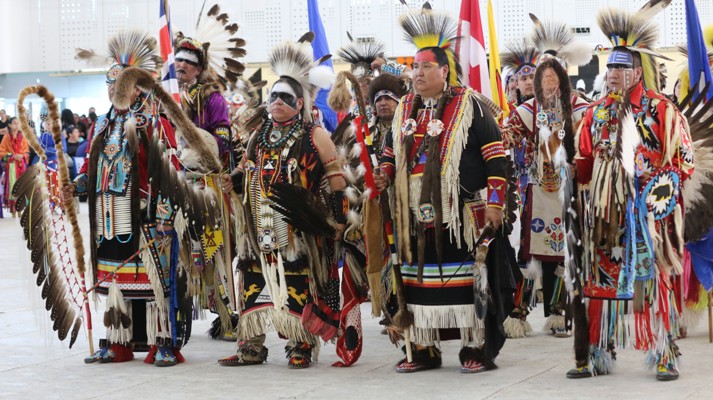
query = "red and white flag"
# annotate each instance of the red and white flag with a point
(471, 48)
(168, 71)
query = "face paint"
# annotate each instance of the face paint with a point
(284, 92)
(425, 56)
(187, 57)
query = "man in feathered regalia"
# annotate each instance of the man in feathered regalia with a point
(450, 188)
(288, 272)
(535, 130)
(206, 65)
(634, 153)
(134, 245)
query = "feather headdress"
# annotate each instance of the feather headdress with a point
(125, 49)
(215, 46)
(294, 60)
(427, 28)
(520, 54)
(360, 54)
(637, 33)
(555, 39)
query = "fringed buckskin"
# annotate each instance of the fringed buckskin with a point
(424, 359)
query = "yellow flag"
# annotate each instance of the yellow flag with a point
(496, 86)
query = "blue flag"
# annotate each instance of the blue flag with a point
(698, 68)
(320, 47)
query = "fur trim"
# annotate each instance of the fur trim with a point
(602, 361)
(131, 77)
(340, 99)
(554, 322)
(471, 354)
(388, 82)
(516, 328)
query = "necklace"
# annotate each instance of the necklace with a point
(271, 138)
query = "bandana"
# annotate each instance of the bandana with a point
(526, 70)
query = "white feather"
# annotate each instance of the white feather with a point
(361, 170)
(352, 195)
(560, 159)
(322, 76)
(342, 152)
(349, 174)
(356, 151)
(629, 143)
(534, 270)
(576, 53)
(354, 218)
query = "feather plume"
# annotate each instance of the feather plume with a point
(576, 53)
(361, 53)
(652, 8)
(518, 54)
(638, 34)
(294, 60)
(215, 37)
(550, 35)
(321, 76)
(429, 28)
(90, 57)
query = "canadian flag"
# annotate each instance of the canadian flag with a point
(471, 48)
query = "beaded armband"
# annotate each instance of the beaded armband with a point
(497, 190)
(493, 150)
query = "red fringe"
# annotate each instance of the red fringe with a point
(595, 320)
